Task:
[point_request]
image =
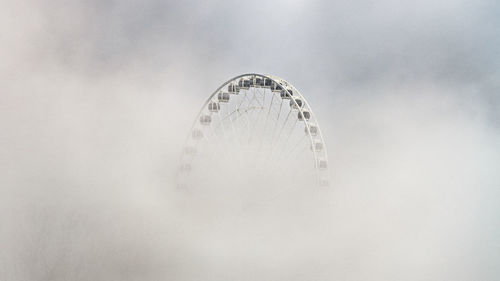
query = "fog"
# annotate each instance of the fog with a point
(97, 98)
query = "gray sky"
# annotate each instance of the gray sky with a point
(97, 97)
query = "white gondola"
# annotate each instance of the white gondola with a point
(295, 105)
(205, 120)
(233, 88)
(190, 150)
(324, 182)
(322, 164)
(317, 146)
(186, 167)
(197, 134)
(258, 82)
(286, 94)
(268, 83)
(304, 115)
(213, 106)
(275, 87)
(312, 129)
(251, 81)
(244, 83)
(223, 97)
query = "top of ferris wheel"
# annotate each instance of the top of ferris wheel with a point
(260, 80)
(270, 76)
(275, 85)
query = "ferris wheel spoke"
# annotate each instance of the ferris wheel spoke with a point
(278, 117)
(224, 136)
(233, 129)
(287, 139)
(255, 100)
(250, 100)
(236, 121)
(250, 115)
(265, 125)
(280, 131)
(275, 127)
(297, 149)
(260, 92)
(276, 107)
(256, 122)
(244, 111)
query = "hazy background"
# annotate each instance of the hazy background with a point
(96, 98)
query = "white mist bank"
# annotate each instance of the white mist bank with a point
(97, 99)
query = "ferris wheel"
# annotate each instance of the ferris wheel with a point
(259, 123)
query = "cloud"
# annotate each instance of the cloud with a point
(98, 97)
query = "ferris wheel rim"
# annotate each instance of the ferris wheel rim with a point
(285, 84)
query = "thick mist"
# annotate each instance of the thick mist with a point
(97, 98)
